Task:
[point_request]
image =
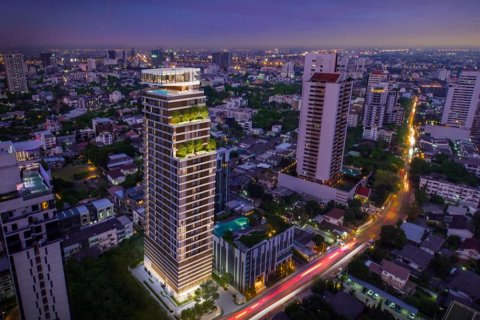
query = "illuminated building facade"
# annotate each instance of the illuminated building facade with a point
(180, 165)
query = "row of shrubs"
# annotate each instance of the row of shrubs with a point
(191, 147)
(190, 114)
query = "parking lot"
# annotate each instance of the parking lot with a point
(373, 296)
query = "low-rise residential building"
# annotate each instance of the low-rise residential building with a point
(414, 257)
(105, 138)
(432, 244)
(469, 249)
(393, 275)
(97, 238)
(47, 138)
(335, 216)
(252, 263)
(115, 177)
(451, 192)
(115, 96)
(472, 165)
(459, 226)
(464, 284)
(117, 160)
(138, 215)
(86, 214)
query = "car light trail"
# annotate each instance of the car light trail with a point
(241, 314)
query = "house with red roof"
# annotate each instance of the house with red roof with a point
(363, 193)
(335, 216)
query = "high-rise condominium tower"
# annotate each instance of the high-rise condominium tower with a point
(158, 57)
(376, 99)
(462, 101)
(32, 238)
(180, 165)
(222, 59)
(323, 118)
(17, 82)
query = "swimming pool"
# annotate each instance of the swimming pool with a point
(160, 91)
(234, 225)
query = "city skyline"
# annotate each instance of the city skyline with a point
(265, 24)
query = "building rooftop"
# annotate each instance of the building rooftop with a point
(325, 77)
(101, 203)
(395, 269)
(415, 255)
(414, 232)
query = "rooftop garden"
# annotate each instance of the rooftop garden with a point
(189, 114)
(195, 146)
(275, 225)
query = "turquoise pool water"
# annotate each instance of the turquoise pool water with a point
(159, 91)
(234, 225)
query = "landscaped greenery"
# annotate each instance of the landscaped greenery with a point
(190, 114)
(191, 147)
(253, 238)
(99, 155)
(453, 172)
(102, 288)
(205, 297)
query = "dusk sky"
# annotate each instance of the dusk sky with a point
(245, 23)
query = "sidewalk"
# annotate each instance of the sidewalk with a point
(166, 302)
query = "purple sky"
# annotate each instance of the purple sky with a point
(239, 23)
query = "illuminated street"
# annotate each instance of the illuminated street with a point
(276, 296)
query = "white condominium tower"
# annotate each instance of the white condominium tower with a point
(376, 99)
(32, 238)
(323, 118)
(17, 82)
(462, 101)
(180, 165)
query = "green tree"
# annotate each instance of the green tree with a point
(392, 237)
(255, 190)
(312, 208)
(441, 265)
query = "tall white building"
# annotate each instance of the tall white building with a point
(180, 165)
(32, 238)
(462, 101)
(375, 105)
(17, 82)
(376, 99)
(323, 118)
(91, 65)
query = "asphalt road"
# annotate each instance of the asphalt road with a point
(279, 294)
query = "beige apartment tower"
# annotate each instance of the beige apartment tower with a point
(323, 119)
(180, 165)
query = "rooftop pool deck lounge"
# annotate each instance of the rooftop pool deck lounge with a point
(233, 225)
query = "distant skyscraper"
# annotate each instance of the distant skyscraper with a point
(17, 82)
(391, 105)
(462, 101)
(91, 65)
(376, 99)
(288, 70)
(32, 238)
(157, 58)
(323, 118)
(112, 54)
(221, 179)
(222, 59)
(49, 59)
(179, 180)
